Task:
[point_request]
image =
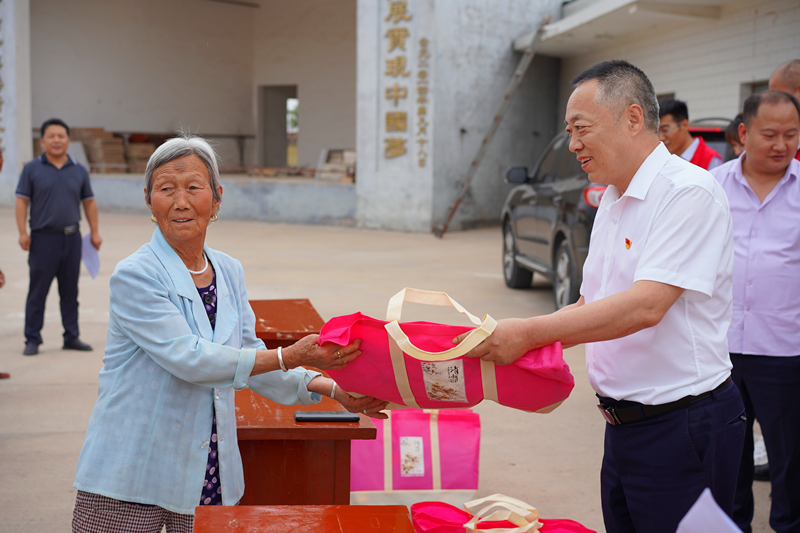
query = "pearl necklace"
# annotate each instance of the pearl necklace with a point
(198, 272)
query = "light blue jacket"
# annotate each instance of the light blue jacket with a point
(164, 367)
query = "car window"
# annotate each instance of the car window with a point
(548, 169)
(569, 166)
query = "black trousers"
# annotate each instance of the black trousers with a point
(654, 470)
(53, 256)
(771, 392)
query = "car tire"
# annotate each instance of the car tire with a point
(516, 277)
(565, 280)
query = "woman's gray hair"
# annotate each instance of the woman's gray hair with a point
(176, 148)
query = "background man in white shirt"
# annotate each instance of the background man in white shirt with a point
(654, 310)
(673, 131)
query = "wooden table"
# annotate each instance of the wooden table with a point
(295, 463)
(284, 322)
(302, 519)
(285, 462)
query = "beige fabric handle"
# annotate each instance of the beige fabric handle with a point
(500, 507)
(475, 337)
(417, 296)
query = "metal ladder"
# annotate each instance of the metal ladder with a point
(516, 79)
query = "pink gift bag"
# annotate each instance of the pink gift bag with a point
(415, 364)
(494, 514)
(418, 454)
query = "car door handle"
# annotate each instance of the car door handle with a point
(557, 200)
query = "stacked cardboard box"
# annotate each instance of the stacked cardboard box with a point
(337, 165)
(137, 155)
(106, 153)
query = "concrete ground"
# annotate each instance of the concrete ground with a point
(551, 461)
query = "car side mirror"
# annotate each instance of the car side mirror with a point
(517, 174)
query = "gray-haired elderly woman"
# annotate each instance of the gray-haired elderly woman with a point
(181, 339)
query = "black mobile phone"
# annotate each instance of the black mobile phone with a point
(325, 416)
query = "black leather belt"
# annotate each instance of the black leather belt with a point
(624, 412)
(69, 230)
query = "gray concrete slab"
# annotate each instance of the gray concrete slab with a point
(551, 461)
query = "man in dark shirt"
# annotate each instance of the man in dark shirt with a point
(54, 185)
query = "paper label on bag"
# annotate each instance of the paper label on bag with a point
(444, 381)
(412, 457)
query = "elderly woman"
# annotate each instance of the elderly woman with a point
(181, 339)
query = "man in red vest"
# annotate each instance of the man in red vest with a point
(673, 131)
(786, 78)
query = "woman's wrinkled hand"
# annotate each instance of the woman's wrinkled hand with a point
(329, 356)
(367, 405)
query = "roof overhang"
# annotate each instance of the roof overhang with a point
(605, 20)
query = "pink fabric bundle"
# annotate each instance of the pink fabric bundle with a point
(414, 364)
(438, 517)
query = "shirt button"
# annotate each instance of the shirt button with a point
(204, 445)
(753, 258)
(749, 283)
(221, 439)
(614, 221)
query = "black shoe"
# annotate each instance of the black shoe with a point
(31, 348)
(77, 344)
(761, 472)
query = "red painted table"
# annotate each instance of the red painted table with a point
(302, 519)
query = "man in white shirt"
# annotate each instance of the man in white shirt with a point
(654, 311)
(673, 131)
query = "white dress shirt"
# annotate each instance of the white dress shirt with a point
(672, 226)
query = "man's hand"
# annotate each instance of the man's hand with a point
(510, 340)
(2, 277)
(97, 240)
(25, 241)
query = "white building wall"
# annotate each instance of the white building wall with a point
(150, 66)
(706, 62)
(311, 44)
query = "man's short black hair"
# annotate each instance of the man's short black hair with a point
(621, 84)
(732, 131)
(754, 101)
(676, 108)
(54, 122)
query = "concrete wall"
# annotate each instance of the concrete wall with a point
(472, 62)
(298, 201)
(311, 44)
(149, 65)
(15, 102)
(706, 63)
(475, 62)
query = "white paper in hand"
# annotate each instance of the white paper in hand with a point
(89, 256)
(706, 516)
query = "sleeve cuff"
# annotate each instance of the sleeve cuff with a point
(247, 360)
(305, 396)
(672, 278)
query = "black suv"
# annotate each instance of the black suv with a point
(547, 221)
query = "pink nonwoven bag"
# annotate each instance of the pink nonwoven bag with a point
(418, 450)
(493, 514)
(414, 364)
